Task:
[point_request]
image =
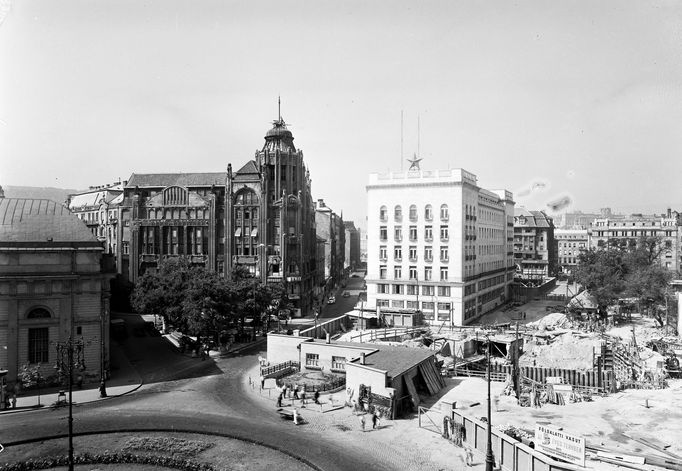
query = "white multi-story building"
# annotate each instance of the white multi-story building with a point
(439, 244)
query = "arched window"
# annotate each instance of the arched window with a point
(428, 213)
(398, 213)
(38, 313)
(383, 213)
(444, 213)
(413, 212)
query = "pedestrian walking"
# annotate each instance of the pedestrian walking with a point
(316, 396)
(469, 455)
(262, 382)
(14, 400)
(284, 391)
(102, 390)
(279, 400)
(295, 391)
(375, 421)
(362, 422)
(303, 398)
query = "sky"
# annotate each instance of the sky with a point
(556, 101)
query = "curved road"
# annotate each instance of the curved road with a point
(217, 403)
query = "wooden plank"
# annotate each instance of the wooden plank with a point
(412, 390)
(424, 370)
(651, 442)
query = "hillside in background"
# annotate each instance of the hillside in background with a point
(55, 194)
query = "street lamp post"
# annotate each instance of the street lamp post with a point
(70, 354)
(489, 460)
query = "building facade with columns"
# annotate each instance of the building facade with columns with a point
(438, 244)
(54, 285)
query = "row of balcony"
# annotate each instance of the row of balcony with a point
(413, 239)
(416, 259)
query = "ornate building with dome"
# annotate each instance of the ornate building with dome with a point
(270, 218)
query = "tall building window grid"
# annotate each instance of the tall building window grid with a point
(413, 272)
(428, 253)
(397, 253)
(428, 233)
(413, 233)
(413, 253)
(428, 212)
(413, 213)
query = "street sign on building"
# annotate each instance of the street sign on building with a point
(560, 444)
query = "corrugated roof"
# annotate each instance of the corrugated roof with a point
(37, 220)
(180, 179)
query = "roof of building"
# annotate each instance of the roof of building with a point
(248, 172)
(279, 138)
(39, 220)
(164, 180)
(533, 218)
(95, 197)
(396, 360)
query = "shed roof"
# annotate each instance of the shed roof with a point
(396, 360)
(40, 220)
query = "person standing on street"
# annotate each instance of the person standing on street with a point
(279, 400)
(316, 396)
(262, 382)
(362, 422)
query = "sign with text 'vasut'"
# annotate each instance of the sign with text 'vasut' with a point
(560, 444)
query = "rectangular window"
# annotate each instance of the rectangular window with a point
(427, 290)
(383, 253)
(398, 234)
(444, 254)
(312, 359)
(412, 289)
(125, 247)
(428, 233)
(427, 306)
(412, 305)
(382, 272)
(398, 253)
(444, 234)
(397, 273)
(38, 345)
(413, 253)
(413, 233)
(398, 304)
(428, 274)
(338, 363)
(413, 273)
(398, 289)
(428, 253)
(383, 233)
(443, 274)
(443, 291)
(382, 288)
(382, 302)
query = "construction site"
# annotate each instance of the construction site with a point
(612, 378)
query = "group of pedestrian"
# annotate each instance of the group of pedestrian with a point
(375, 421)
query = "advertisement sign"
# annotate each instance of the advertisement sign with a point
(560, 444)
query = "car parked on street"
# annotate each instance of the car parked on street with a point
(331, 300)
(346, 294)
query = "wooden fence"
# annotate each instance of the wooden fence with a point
(587, 379)
(280, 369)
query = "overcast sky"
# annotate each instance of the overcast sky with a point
(544, 98)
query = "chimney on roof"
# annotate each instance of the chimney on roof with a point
(125, 182)
(362, 358)
(670, 212)
(320, 203)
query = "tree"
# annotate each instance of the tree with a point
(601, 273)
(30, 376)
(207, 302)
(627, 269)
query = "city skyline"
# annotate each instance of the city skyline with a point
(570, 99)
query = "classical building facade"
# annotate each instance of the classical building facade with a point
(534, 247)
(330, 227)
(569, 244)
(165, 215)
(54, 285)
(352, 249)
(438, 244)
(98, 207)
(625, 231)
(270, 218)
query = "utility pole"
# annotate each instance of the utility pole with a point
(489, 460)
(516, 372)
(65, 364)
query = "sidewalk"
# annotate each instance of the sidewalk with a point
(124, 379)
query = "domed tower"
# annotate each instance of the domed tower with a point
(282, 248)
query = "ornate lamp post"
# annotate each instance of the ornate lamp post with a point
(70, 355)
(489, 460)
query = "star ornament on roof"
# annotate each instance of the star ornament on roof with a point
(414, 163)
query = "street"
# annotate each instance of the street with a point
(343, 305)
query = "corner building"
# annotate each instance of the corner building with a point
(438, 244)
(271, 218)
